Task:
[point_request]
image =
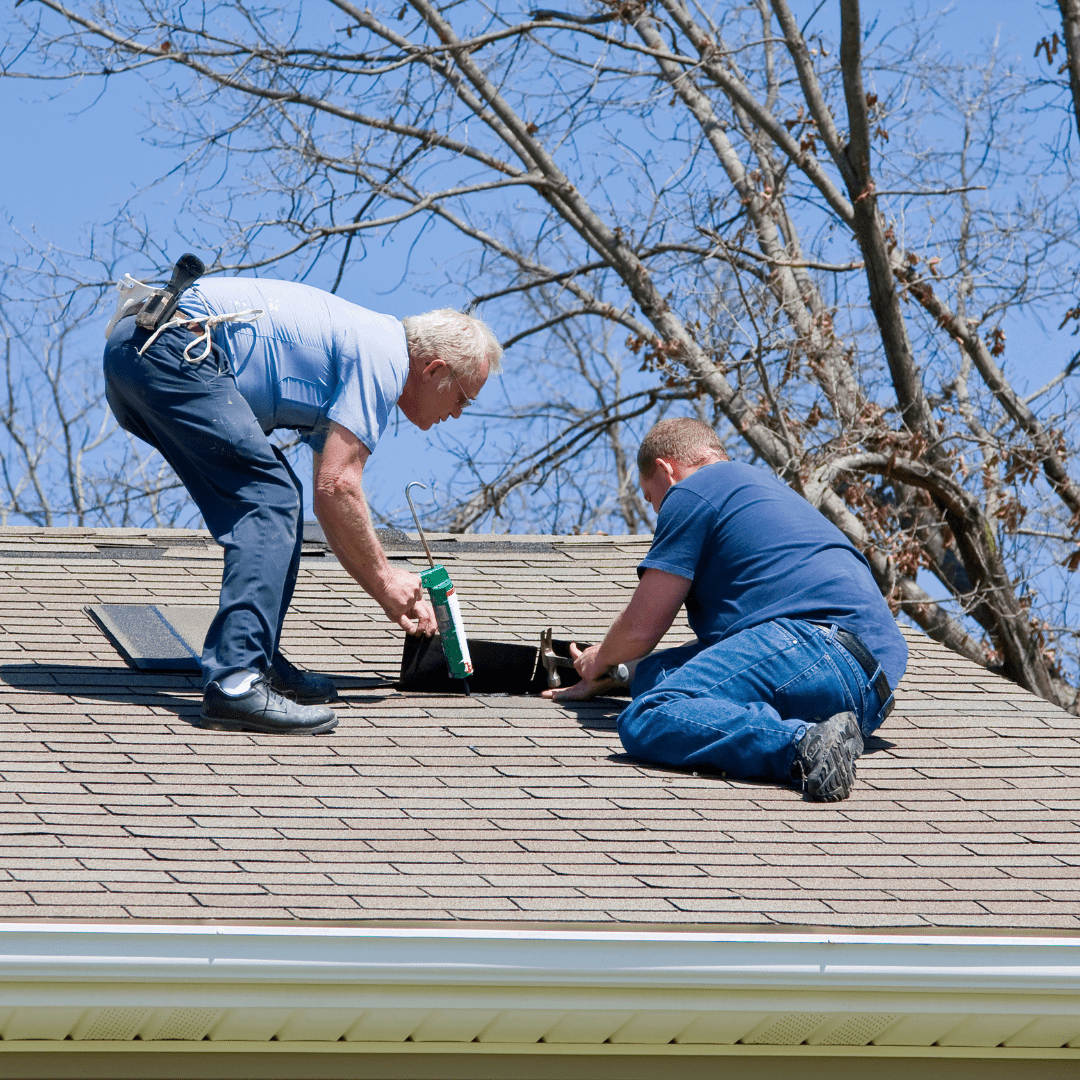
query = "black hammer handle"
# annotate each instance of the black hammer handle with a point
(159, 308)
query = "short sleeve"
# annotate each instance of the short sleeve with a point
(682, 531)
(367, 390)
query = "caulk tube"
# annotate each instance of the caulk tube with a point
(448, 615)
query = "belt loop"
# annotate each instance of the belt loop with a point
(874, 678)
(884, 707)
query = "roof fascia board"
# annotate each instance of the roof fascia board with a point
(548, 1050)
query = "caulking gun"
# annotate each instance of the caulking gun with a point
(445, 602)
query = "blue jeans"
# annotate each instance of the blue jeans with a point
(742, 704)
(250, 498)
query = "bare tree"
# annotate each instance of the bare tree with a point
(581, 474)
(1070, 25)
(61, 462)
(721, 186)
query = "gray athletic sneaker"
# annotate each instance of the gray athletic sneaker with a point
(825, 758)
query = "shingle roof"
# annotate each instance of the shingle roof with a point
(495, 810)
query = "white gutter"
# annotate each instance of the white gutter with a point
(530, 991)
(125, 952)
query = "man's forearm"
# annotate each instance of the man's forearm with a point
(343, 511)
(628, 639)
(638, 629)
(349, 532)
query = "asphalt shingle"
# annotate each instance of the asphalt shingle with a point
(491, 809)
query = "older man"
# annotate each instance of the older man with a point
(245, 357)
(796, 654)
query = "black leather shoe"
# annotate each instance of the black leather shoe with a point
(825, 758)
(263, 709)
(304, 686)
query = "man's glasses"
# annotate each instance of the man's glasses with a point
(468, 400)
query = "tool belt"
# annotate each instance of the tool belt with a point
(156, 310)
(201, 329)
(854, 645)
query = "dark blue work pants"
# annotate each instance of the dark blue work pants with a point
(250, 498)
(742, 704)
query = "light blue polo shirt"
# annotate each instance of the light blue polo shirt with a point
(311, 358)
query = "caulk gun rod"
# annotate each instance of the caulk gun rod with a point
(416, 518)
(423, 540)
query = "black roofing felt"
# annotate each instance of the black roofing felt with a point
(499, 667)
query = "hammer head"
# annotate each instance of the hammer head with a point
(188, 269)
(549, 659)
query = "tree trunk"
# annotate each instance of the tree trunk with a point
(1070, 22)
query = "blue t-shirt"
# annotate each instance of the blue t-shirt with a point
(310, 358)
(755, 551)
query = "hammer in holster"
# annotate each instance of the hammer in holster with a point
(159, 307)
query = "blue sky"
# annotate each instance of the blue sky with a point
(88, 151)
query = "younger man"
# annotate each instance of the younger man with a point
(796, 654)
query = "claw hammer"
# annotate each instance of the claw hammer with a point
(552, 662)
(159, 307)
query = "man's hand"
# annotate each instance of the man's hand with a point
(342, 510)
(590, 686)
(403, 601)
(636, 631)
(586, 663)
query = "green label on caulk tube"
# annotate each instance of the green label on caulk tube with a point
(448, 615)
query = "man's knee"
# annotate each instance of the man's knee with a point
(647, 720)
(633, 728)
(283, 499)
(649, 671)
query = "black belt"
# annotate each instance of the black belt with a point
(854, 645)
(191, 325)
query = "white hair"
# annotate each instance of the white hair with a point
(462, 341)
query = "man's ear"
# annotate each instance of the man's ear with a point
(667, 466)
(431, 370)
